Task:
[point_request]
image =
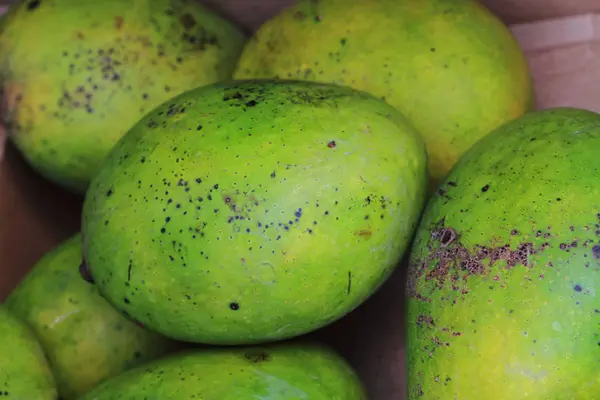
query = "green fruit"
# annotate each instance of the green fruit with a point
(450, 66)
(24, 371)
(76, 75)
(253, 211)
(505, 267)
(85, 339)
(290, 372)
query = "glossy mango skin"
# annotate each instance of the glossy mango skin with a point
(253, 211)
(86, 340)
(505, 268)
(299, 371)
(450, 66)
(76, 75)
(24, 370)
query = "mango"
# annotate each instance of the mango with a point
(298, 371)
(505, 266)
(252, 211)
(76, 75)
(85, 338)
(451, 67)
(24, 370)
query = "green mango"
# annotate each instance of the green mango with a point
(252, 211)
(76, 75)
(86, 340)
(302, 371)
(505, 266)
(450, 66)
(24, 371)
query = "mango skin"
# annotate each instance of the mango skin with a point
(298, 371)
(24, 371)
(522, 321)
(450, 66)
(86, 340)
(252, 211)
(76, 75)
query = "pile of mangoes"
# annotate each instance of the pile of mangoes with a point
(241, 192)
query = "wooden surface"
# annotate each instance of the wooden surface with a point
(35, 216)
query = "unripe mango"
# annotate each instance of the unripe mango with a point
(24, 370)
(504, 271)
(297, 371)
(76, 75)
(254, 211)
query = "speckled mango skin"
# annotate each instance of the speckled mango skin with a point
(76, 75)
(504, 270)
(253, 211)
(85, 338)
(298, 371)
(450, 66)
(24, 371)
